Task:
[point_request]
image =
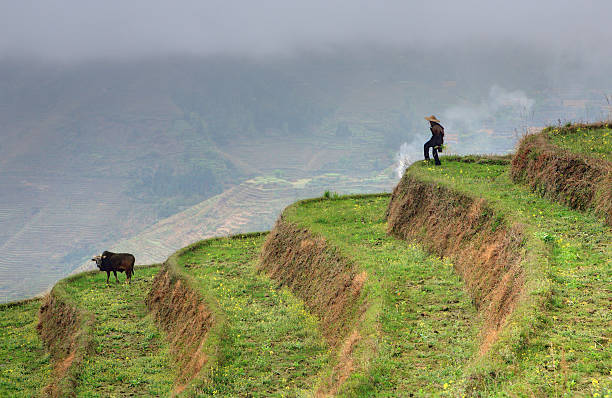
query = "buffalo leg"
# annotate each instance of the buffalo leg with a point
(115, 273)
(107, 276)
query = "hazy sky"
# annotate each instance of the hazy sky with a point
(67, 30)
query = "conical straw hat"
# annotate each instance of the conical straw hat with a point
(432, 118)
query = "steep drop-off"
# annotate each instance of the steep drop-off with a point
(569, 164)
(67, 333)
(187, 318)
(486, 250)
(399, 318)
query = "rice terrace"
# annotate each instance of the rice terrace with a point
(488, 276)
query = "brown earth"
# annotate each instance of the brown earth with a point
(327, 282)
(66, 332)
(571, 178)
(329, 285)
(182, 314)
(485, 250)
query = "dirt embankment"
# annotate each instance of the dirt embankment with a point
(67, 333)
(187, 318)
(329, 285)
(571, 178)
(485, 250)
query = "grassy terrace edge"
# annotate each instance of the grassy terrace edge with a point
(551, 344)
(67, 331)
(192, 319)
(360, 296)
(526, 293)
(355, 339)
(511, 332)
(565, 175)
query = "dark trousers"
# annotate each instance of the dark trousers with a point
(433, 143)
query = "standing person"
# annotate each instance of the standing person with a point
(436, 140)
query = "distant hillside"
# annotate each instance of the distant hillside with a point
(251, 206)
(94, 154)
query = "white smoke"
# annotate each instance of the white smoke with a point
(502, 107)
(407, 154)
(499, 99)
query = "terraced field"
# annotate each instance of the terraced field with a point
(250, 206)
(25, 366)
(272, 345)
(129, 356)
(570, 164)
(569, 351)
(462, 282)
(428, 325)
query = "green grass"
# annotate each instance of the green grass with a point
(131, 357)
(595, 143)
(425, 326)
(428, 326)
(272, 346)
(571, 352)
(25, 366)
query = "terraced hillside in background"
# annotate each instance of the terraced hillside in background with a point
(43, 234)
(250, 206)
(461, 282)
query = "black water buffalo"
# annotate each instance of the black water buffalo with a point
(122, 262)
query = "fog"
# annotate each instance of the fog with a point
(143, 126)
(75, 30)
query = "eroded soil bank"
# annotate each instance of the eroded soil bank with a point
(582, 181)
(66, 331)
(269, 343)
(327, 282)
(181, 312)
(403, 319)
(486, 251)
(329, 285)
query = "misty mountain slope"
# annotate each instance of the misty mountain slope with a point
(251, 206)
(120, 146)
(59, 230)
(161, 134)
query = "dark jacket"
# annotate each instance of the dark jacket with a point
(437, 130)
(437, 134)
